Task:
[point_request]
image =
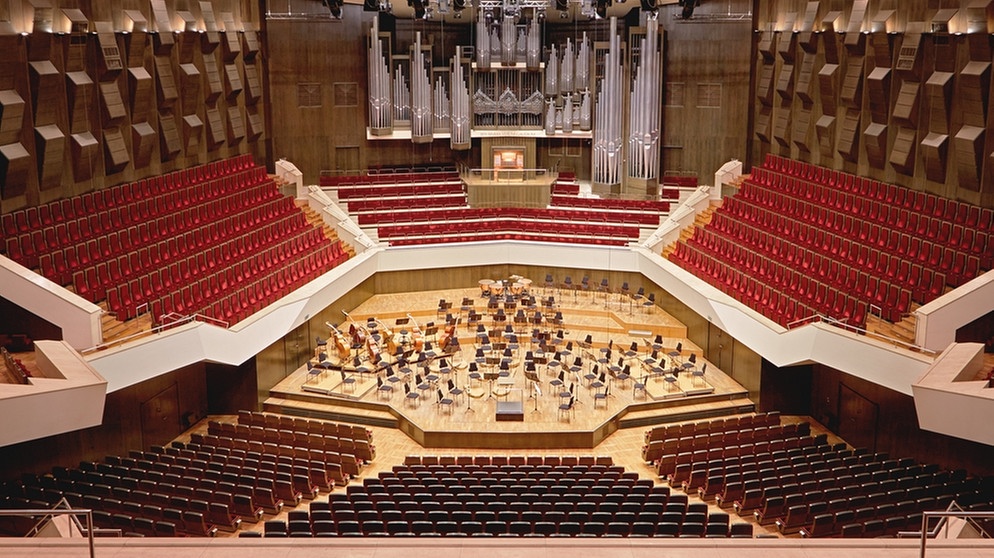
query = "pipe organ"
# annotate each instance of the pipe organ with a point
(526, 76)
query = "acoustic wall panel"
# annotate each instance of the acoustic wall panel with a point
(189, 78)
(781, 127)
(909, 59)
(764, 125)
(253, 87)
(112, 103)
(851, 93)
(875, 137)
(766, 85)
(15, 166)
(165, 82)
(785, 82)
(825, 131)
(83, 150)
(213, 85)
(116, 156)
(787, 46)
(142, 144)
(902, 155)
(939, 90)
(80, 93)
(969, 146)
(170, 144)
(806, 79)
(11, 116)
(254, 125)
(193, 130)
(801, 129)
(46, 92)
(934, 150)
(236, 125)
(140, 93)
(828, 86)
(231, 45)
(878, 93)
(250, 45)
(882, 49)
(232, 81)
(974, 92)
(906, 105)
(108, 54)
(768, 46)
(50, 147)
(215, 129)
(848, 145)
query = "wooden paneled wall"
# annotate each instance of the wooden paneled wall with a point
(93, 94)
(898, 91)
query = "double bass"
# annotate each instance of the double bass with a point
(416, 338)
(341, 343)
(388, 335)
(447, 335)
(356, 332)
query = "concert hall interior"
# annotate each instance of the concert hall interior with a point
(678, 276)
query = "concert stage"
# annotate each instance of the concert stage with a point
(481, 415)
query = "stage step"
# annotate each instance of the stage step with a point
(681, 410)
(337, 413)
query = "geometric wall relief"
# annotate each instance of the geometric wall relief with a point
(902, 156)
(806, 80)
(876, 144)
(254, 125)
(825, 130)
(215, 129)
(801, 129)
(253, 89)
(855, 39)
(909, 59)
(189, 79)
(974, 90)
(848, 145)
(214, 87)
(50, 147)
(768, 46)
(15, 164)
(108, 53)
(764, 125)
(781, 127)
(193, 129)
(46, 92)
(765, 88)
(934, 150)
(969, 145)
(169, 140)
(878, 91)
(236, 126)
(882, 51)
(828, 85)
(785, 82)
(11, 116)
(116, 156)
(80, 92)
(142, 143)
(852, 83)
(165, 82)
(787, 46)
(232, 81)
(113, 104)
(906, 105)
(83, 150)
(140, 90)
(232, 45)
(939, 89)
(162, 24)
(250, 45)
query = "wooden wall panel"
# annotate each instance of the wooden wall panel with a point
(215, 129)
(875, 140)
(84, 150)
(939, 91)
(169, 139)
(15, 166)
(828, 88)
(81, 93)
(974, 92)
(902, 154)
(46, 92)
(906, 105)
(969, 146)
(12, 109)
(142, 143)
(193, 131)
(253, 87)
(139, 93)
(50, 147)
(190, 80)
(878, 94)
(236, 125)
(934, 149)
(165, 82)
(232, 81)
(825, 131)
(116, 153)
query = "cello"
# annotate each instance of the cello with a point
(447, 335)
(388, 335)
(356, 332)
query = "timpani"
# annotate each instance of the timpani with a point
(517, 288)
(497, 288)
(485, 286)
(526, 284)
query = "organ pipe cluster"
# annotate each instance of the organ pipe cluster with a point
(460, 136)
(644, 114)
(422, 124)
(607, 145)
(380, 104)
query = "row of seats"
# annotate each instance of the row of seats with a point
(781, 307)
(302, 424)
(387, 207)
(15, 367)
(652, 206)
(666, 432)
(840, 255)
(763, 430)
(485, 236)
(808, 278)
(518, 462)
(813, 182)
(83, 206)
(389, 178)
(347, 464)
(461, 212)
(360, 192)
(361, 449)
(886, 235)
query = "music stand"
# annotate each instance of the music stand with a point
(536, 393)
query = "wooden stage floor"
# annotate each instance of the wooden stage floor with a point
(536, 419)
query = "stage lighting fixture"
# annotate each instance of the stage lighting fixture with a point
(419, 8)
(688, 8)
(601, 8)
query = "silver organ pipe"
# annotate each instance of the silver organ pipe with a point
(582, 71)
(508, 40)
(550, 117)
(460, 138)
(378, 72)
(440, 110)
(401, 97)
(643, 125)
(568, 114)
(533, 46)
(482, 43)
(552, 73)
(607, 144)
(421, 96)
(585, 111)
(566, 70)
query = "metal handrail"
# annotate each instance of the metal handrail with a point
(927, 533)
(70, 512)
(180, 320)
(862, 331)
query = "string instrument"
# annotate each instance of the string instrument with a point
(341, 343)
(356, 331)
(416, 338)
(447, 335)
(388, 335)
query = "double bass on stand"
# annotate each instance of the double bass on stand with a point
(417, 339)
(341, 343)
